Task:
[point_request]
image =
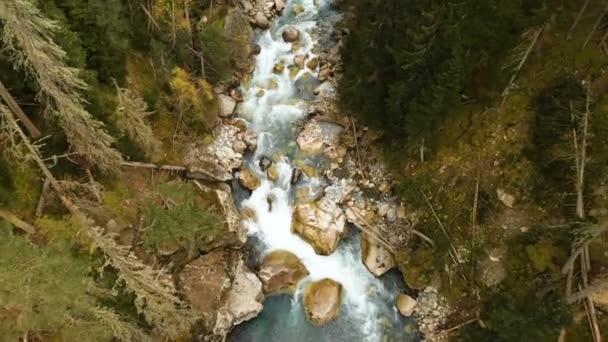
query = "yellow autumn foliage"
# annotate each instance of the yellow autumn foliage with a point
(172, 12)
(192, 97)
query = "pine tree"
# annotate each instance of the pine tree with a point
(28, 37)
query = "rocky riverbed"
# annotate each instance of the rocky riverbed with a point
(308, 174)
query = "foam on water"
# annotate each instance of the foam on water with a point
(272, 116)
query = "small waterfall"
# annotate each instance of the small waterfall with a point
(368, 301)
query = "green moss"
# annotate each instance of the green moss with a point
(544, 255)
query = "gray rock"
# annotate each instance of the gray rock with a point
(265, 163)
(226, 105)
(291, 34)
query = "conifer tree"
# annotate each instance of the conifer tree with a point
(28, 37)
(130, 116)
(155, 292)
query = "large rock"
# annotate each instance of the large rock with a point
(317, 135)
(260, 20)
(405, 304)
(243, 302)
(222, 289)
(279, 5)
(218, 158)
(226, 105)
(248, 179)
(322, 300)
(322, 224)
(235, 233)
(376, 258)
(291, 34)
(281, 271)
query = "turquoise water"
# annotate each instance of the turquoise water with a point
(367, 312)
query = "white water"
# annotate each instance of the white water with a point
(272, 116)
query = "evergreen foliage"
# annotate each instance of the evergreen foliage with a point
(413, 59)
(531, 317)
(45, 291)
(28, 36)
(175, 219)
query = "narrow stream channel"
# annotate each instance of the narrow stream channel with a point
(367, 312)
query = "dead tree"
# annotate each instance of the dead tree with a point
(155, 293)
(27, 37)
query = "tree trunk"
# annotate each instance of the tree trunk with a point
(12, 104)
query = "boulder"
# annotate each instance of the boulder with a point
(278, 68)
(226, 105)
(296, 175)
(405, 304)
(205, 281)
(322, 224)
(272, 173)
(265, 163)
(279, 5)
(376, 258)
(216, 160)
(244, 300)
(260, 20)
(222, 289)
(299, 61)
(255, 49)
(298, 9)
(322, 300)
(293, 71)
(317, 134)
(248, 179)
(505, 198)
(260, 93)
(324, 74)
(313, 63)
(281, 271)
(251, 140)
(291, 34)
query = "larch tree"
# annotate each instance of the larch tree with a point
(28, 37)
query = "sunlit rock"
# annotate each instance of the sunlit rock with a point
(322, 224)
(281, 271)
(248, 179)
(376, 258)
(405, 304)
(299, 61)
(226, 105)
(222, 289)
(291, 34)
(313, 63)
(322, 300)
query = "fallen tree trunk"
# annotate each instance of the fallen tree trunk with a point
(17, 222)
(14, 106)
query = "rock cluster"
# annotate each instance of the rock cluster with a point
(431, 311)
(217, 160)
(260, 12)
